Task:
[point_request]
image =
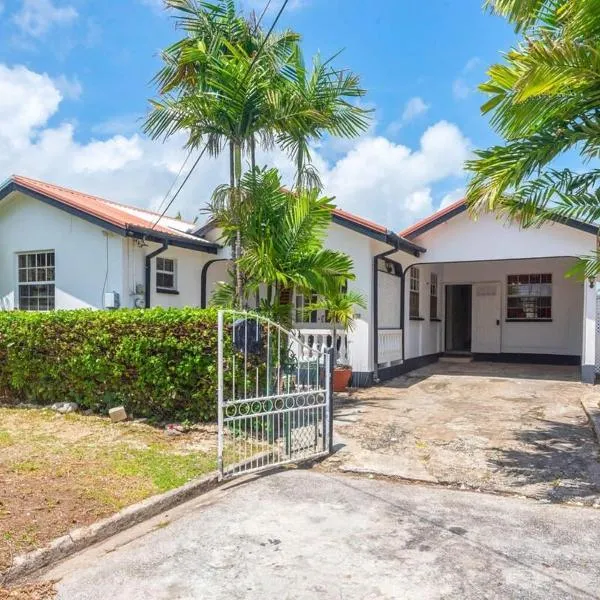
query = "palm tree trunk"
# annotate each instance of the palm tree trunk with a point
(253, 153)
(334, 345)
(299, 167)
(237, 164)
(231, 205)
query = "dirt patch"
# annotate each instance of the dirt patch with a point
(44, 590)
(58, 472)
(503, 428)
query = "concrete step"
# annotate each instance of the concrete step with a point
(456, 358)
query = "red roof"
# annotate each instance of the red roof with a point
(440, 214)
(359, 220)
(121, 215)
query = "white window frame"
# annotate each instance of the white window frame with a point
(532, 289)
(162, 271)
(414, 288)
(34, 270)
(300, 302)
(433, 293)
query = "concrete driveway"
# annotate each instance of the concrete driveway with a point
(303, 534)
(494, 427)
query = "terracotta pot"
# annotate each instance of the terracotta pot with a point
(341, 378)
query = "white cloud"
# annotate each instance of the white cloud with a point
(27, 101)
(460, 89)
(387, 182)
(471, 64)
(415, 107)
(69, 88)
(391, 183)
(36, 17)
(453, 196)
(120, 124)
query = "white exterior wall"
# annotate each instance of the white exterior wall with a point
(361, 250)
(563, 335)
(423, 337)
(461, 239)
(82, 263)
(389, 301)
(189, 265)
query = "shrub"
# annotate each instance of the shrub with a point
(159, 363)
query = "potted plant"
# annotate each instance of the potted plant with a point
(339, 304)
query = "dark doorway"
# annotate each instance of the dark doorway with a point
(458, 318)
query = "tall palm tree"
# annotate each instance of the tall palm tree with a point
(322, 98)
(545, 103)
(214, 86)
(228, 85)
(283, 235)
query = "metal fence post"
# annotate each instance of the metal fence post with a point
(329, 375)
(220, 332)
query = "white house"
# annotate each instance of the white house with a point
(448, 284)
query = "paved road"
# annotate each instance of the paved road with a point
(305, 534)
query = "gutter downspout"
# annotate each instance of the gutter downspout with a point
(376, 312)
(148, 272)
(203, 299)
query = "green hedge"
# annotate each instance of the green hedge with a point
(159, 363)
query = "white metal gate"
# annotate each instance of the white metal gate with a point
(598, 334)
(274, 395)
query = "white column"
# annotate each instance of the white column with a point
(588, 352)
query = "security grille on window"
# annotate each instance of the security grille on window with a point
(433, 297)
(414, 292)
(36, 280)
(165, 274)
(529, 297)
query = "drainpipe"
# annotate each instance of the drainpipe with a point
(203, 294)
(148, 271)
(376, 311)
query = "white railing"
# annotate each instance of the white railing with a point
(321, 339)
(389, 345)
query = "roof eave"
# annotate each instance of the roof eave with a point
(129, 231)
(152, 235)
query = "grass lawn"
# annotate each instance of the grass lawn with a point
(58, 472)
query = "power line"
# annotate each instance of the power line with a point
(259, 51)
(262, 14)
(174, 182)
(181, 186)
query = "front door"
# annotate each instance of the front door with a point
(486, 317)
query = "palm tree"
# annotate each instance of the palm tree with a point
(339, 305)
(227, 84)
(283, 239)
(322, 100)
(214, 86)
(545, 103)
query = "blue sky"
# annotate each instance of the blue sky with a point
(74, 83)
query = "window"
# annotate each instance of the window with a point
(165, 274)
(433, 297)
(414, 292)
(529, 297)
(302, 302)
(36, 280)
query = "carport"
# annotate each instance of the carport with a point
(493, 291)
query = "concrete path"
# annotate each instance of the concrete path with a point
(303, 534)
(517, 429)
